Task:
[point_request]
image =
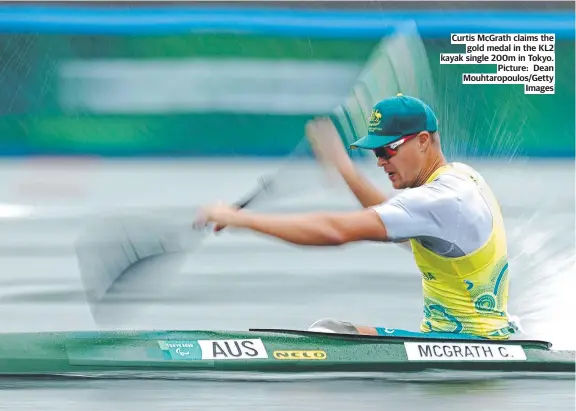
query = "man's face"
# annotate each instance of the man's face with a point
(404, 166)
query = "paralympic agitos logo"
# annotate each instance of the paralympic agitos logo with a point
(300, 355)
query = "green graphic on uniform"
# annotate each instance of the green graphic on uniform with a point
(428, 276)
(181, 350)
(490, 297)
(486, 302)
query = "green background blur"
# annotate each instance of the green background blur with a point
(495, 120)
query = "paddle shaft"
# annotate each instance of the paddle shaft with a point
(263, 187)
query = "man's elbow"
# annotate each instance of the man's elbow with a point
(344, 234)
(333, 236)
(338, 232)
(338, 239)
(340, 236)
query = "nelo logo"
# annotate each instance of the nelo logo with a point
(300, 355)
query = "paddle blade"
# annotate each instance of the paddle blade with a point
(115, 255)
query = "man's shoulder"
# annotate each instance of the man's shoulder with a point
(446, 187)
(456, 176)
(466, 185)
(437, 193)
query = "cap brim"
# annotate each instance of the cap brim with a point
(371, 142)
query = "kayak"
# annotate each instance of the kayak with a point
(265, 350)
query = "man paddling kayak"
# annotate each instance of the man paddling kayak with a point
(447, 215)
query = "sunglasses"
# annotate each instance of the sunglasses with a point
(388, 151)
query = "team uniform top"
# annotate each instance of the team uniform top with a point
(456, 231)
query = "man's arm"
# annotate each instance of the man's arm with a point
(329, 148)
(319, 229)
(365, 192)
(419, 212)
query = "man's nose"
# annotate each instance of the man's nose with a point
(382, 161)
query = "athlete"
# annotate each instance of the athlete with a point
(447, 215)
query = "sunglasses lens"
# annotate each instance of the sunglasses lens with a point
(387, 152)
(384, 152)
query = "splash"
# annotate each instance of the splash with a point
(543, 274)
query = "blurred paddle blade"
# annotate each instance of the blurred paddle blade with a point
(127, 258)
(118, 246)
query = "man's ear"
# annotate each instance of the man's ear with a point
(424, 140)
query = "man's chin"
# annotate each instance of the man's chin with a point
(398, 185)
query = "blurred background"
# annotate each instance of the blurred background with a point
(163, 107)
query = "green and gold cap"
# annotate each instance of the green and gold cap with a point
(395, 117)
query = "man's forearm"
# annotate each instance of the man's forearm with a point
(302, 229)
(365, 192)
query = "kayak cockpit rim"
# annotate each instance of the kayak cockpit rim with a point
(384, 338)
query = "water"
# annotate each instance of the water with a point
(476, 395)
(238, 280)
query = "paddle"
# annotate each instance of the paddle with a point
(127, 257)
(119, 254)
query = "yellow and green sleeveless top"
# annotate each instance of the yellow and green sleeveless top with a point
(467, 294)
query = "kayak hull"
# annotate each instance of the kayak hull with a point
(285, 351)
